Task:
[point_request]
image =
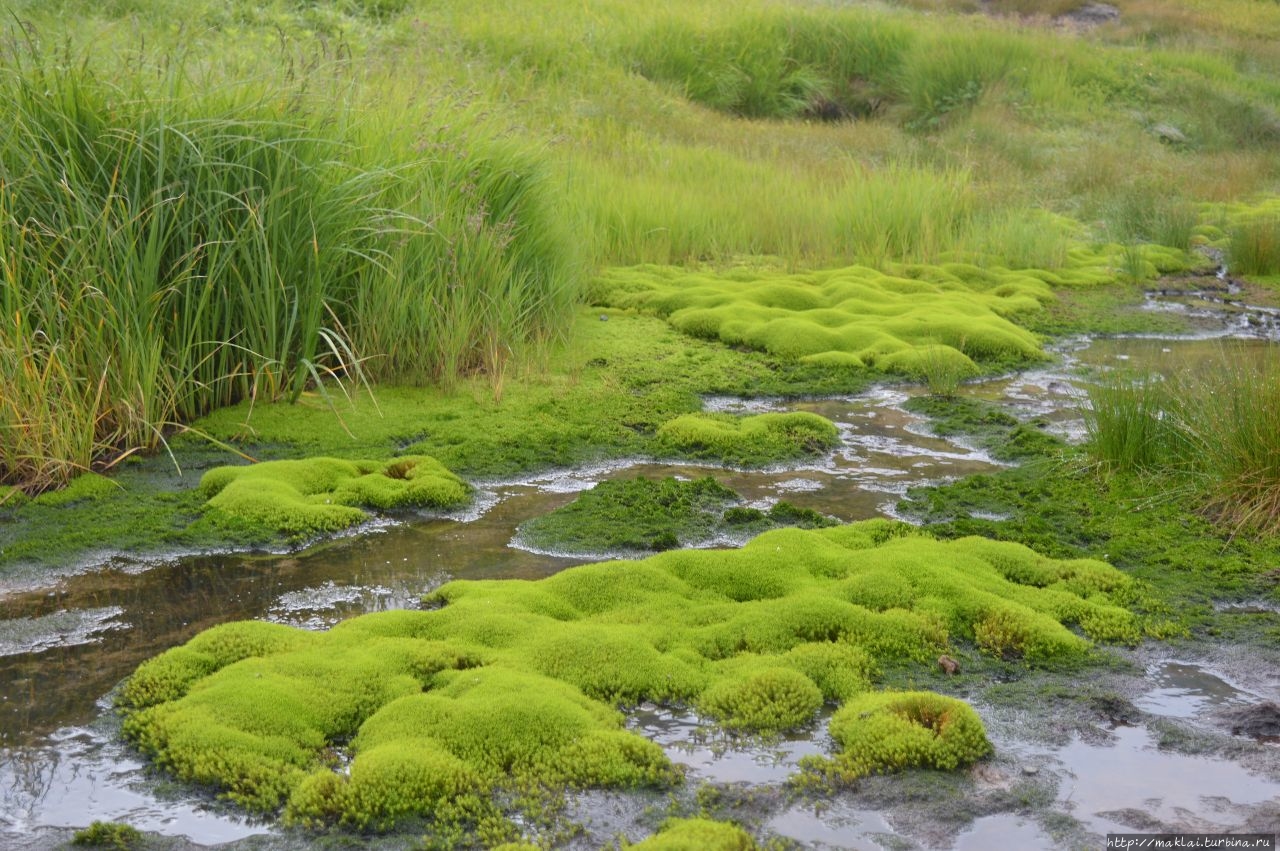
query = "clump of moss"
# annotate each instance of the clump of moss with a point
(751, 441)
(643, 514)
(890, 731)
(697, 835)
(317, 495)
(106, 834)
(901, 321)
(516, 682)
(87, 487)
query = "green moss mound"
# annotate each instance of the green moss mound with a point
(892, 731)
(317, 495)
(105, 834)
(854, 317)
(751, 441)
(630, 515)
(511, 681)
(697, 835)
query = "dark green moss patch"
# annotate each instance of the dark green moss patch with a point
(1003, 435)
(515, 682)
(643, 514)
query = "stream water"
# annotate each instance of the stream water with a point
(66, 643)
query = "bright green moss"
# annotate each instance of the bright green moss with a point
(517, 682)
(87, 487)
(317, 495)
(900, 322)
(890, 731)
(747, 441)
(697, 835)
(11, 497)
(770, 699)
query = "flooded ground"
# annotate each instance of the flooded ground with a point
(66, 643)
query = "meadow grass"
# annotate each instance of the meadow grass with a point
(169, 254)
(1216, 428)
(420, 197)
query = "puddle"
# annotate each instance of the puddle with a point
(713, 756)
(1188, 691)
(83, 775)
(1004, 831)
(837, 827)
(1130, 785)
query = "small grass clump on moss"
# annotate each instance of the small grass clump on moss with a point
(750, 441)
(116, 836)
(317, 495)
(890, 731)
(508, 681)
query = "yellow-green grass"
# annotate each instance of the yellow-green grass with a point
(514, 681)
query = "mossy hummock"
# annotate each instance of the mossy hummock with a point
(510, 681)
(317, 495)
(750, 441)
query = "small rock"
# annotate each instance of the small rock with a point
(1169, 134)
(948, 665)
(1030, 770)
(604, 317)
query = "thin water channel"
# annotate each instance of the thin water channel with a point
(65, 644)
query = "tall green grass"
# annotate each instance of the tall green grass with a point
(1217, 428)
(164, 255)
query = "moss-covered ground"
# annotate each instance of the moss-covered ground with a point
(508, 682)
(643, 514)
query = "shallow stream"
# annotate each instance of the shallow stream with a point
(65, 644)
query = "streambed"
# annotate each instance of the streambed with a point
(65, 645)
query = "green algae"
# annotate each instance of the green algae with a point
(1000, 433)
(697, 834)
(632, 514)
(750, 441)
(315, 495)
(507, 681)
(636, 515)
